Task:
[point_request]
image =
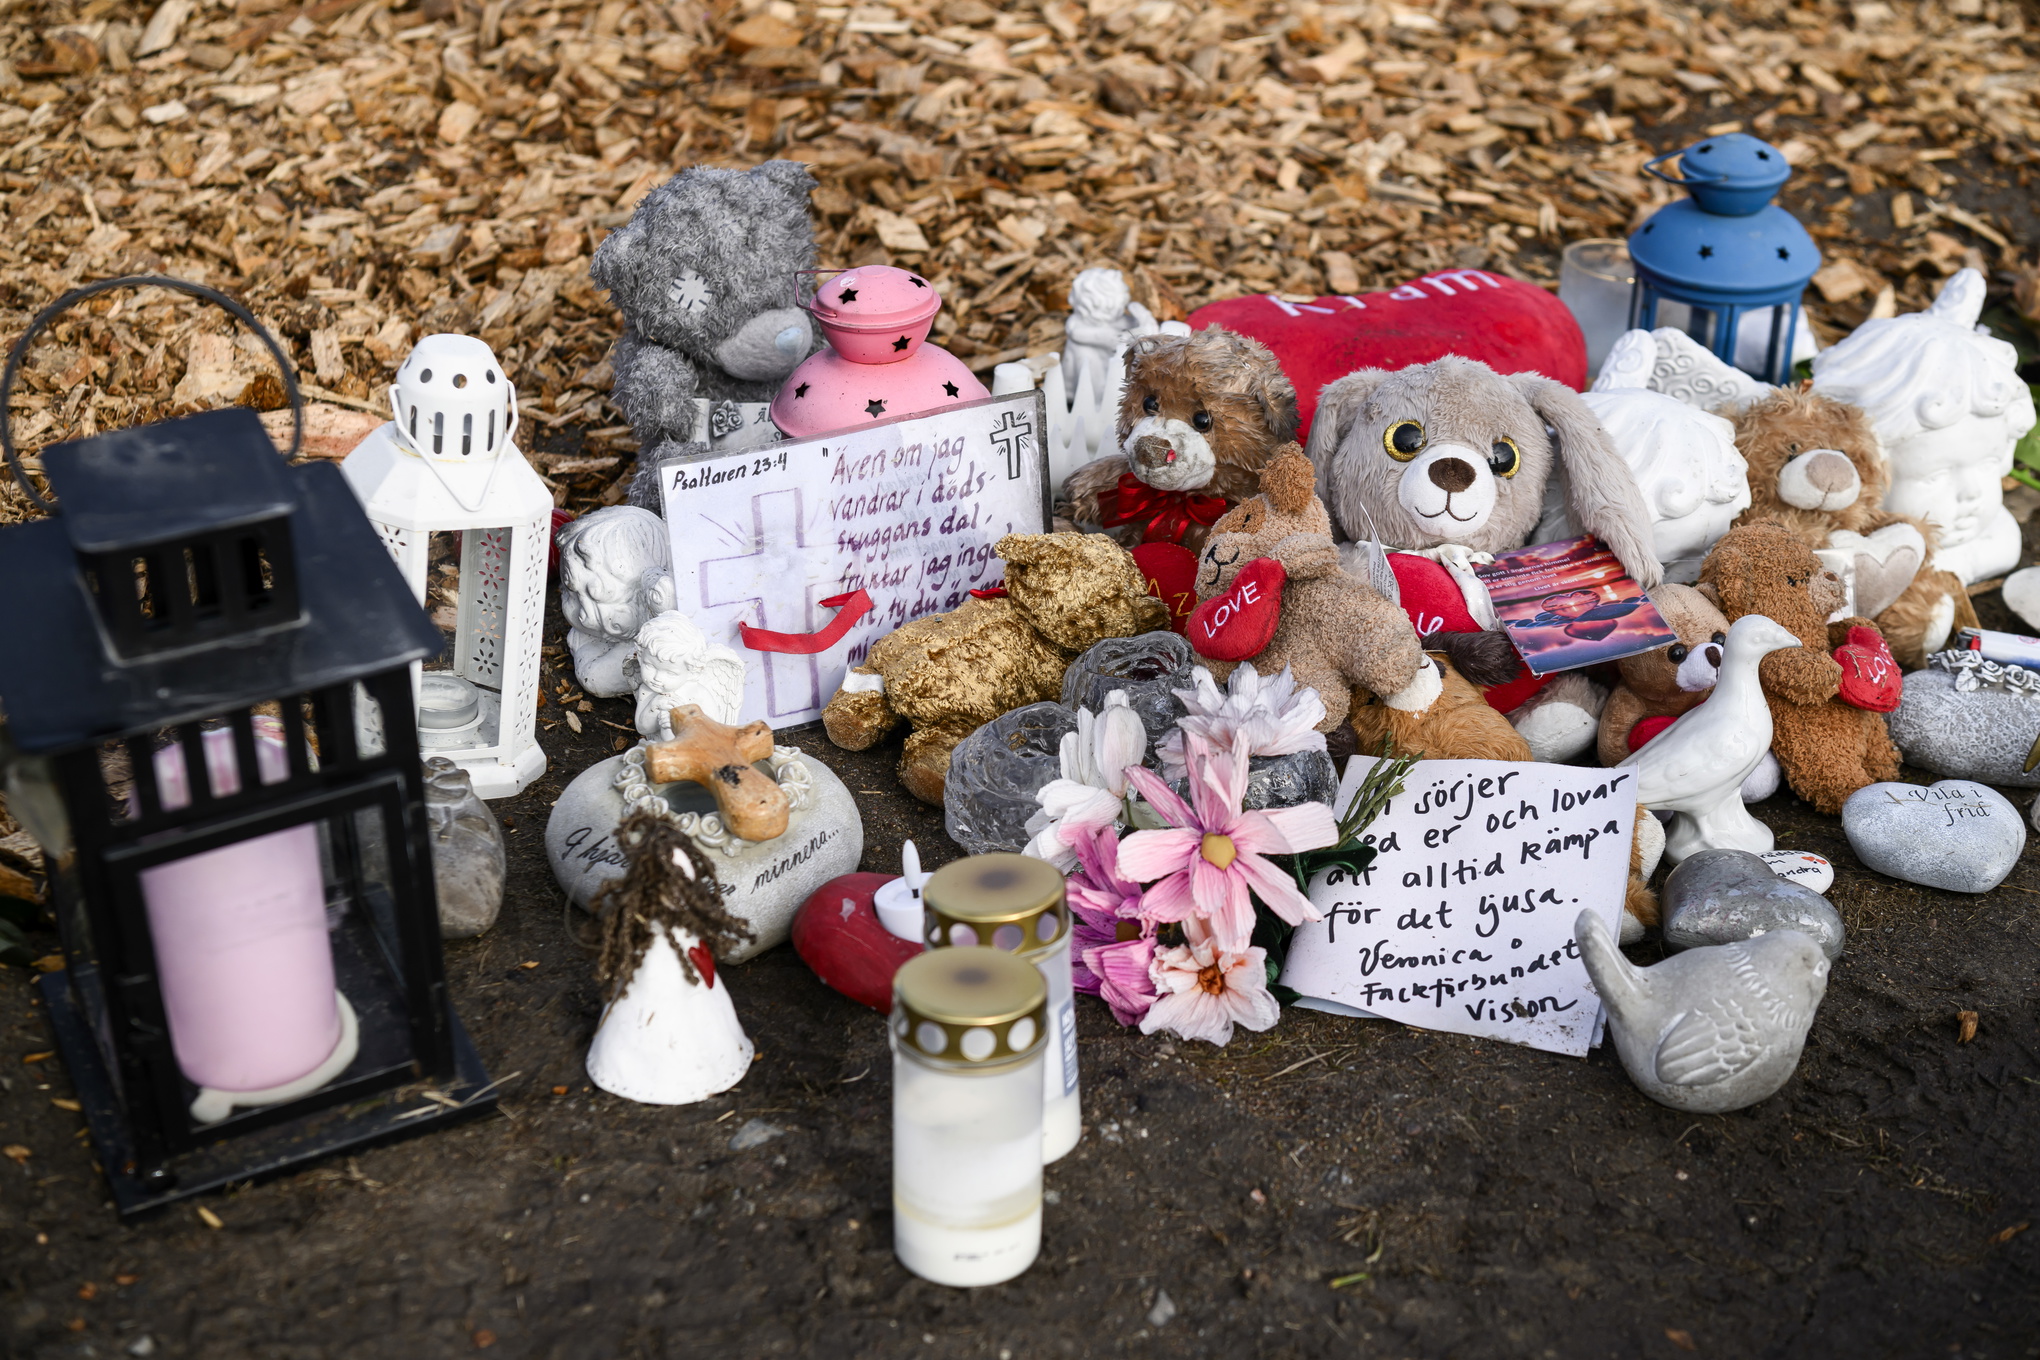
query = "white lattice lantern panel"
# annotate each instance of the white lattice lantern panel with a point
(446, 464)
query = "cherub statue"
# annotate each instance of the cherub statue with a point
(676, 664)
(1103, 317)
(603, 560)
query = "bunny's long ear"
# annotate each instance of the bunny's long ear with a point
(1600, 489)
(1339, 405)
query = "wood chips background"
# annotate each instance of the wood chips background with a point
(362, 172)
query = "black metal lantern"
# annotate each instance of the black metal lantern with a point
(204, 645)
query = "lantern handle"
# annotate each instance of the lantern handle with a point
(1650, 167)
(77, 295)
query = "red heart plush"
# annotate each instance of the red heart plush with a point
(1870, 675)
(1645, 729)
(1509, 325)
(1238, 623)
(837, 933)
(704, 962)
(1170, 570)
(1432, 599)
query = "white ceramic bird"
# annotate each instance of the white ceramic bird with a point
(1713, 1029)
(1696, 767)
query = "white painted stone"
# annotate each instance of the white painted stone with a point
(1957, 834)
(1803, 867)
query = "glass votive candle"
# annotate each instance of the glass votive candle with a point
(1014, 903)
(968, 1033)
(1595, 279)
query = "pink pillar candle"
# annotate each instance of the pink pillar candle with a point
(242, 954)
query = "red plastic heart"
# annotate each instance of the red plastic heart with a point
(1645, 729)
(1871, 678)
(704, 962)
(1238, 623)
(1170, 570)
(837, 933)
(1509, 325)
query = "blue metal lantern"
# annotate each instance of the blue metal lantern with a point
(1727, 250)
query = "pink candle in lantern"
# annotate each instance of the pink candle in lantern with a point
(242, 955)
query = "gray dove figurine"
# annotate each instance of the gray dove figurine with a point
(1696, 767)
(1713, 1029)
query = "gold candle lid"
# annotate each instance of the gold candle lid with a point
(971, 1007)
(1009, 902)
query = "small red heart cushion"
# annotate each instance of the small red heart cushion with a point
(1645, 729)
(1238, 623)
(837, 933)
(1434, 602)
(1870, 675)
(1170, 570)
(1509, 325)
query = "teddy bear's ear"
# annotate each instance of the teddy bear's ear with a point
(1710, 592)
(1602, 491)
(1289, 482)
(1338, 407)
(1262, 377)
(791, 176)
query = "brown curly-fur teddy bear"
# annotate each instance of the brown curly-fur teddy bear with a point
(949, 674)
(1340, 637)
(1815, 467)
(1826, 748)
(1665, 682)
(1201, 416)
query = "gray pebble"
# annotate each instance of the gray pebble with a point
(1721, 896)
(1956, 834)
(1982, 734)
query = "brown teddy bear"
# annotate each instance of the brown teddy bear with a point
(1815, 467)
(1201, 416)
(1666, 682)
(949, 674)
(1826, 748)
(1338, 634)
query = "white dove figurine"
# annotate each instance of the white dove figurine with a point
(1696, 767)
(1713, 1029)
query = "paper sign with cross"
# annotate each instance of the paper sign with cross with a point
(906, 512)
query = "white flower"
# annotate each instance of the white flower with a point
(1092, 790)
(1277, 715)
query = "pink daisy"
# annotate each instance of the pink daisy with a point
(1203, 991)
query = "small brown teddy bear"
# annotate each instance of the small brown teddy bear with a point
(949, 674)
(1666, 682)
(1826, 748)
(1815, 467)
(1201, 416)
(1340, 637)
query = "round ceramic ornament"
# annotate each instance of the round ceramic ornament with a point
(879, 364)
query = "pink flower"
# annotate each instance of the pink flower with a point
(1103, 914)
(1124, 973)
(1210, 859)
(1203, 991)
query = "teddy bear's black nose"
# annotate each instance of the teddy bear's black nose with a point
(1453, 474)
(1713, 655)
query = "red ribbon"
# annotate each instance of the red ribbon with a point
(1166, 515)
(855, 606)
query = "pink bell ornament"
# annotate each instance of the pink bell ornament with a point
(879, 365)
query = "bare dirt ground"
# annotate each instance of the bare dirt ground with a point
(365, 172)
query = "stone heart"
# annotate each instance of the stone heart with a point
(1509, 325)
(1170, 570)
(1870, 675)
(1803, 867)
(1876, 568)
(1984, 733)
(1721, 896)
(1956, 834)
(1237, 623)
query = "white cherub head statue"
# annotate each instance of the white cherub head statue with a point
(677, 664)
(603, 559)
(1103, 317)
(1946, 402)
(1100, 294)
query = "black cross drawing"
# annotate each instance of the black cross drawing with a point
(1010, 436)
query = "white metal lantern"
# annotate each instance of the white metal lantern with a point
(446, 465)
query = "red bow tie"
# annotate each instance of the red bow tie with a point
(1164, 516)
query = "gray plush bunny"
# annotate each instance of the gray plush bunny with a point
(1451, 458)
(704, 276)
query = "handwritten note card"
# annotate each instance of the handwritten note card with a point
(906, 511)
(1464, 921)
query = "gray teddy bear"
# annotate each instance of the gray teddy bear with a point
(704, 276)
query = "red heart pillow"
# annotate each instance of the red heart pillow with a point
(1870, 675)
(837, 933)
(1507, 324)
(1238, 623)
(1645, 729)
(1170, 570)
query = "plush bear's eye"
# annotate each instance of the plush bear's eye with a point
(1504, 458)
(1677, 652)
(1152, 405)
(1403, 440)
(1201, 422)
(1719, 639)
